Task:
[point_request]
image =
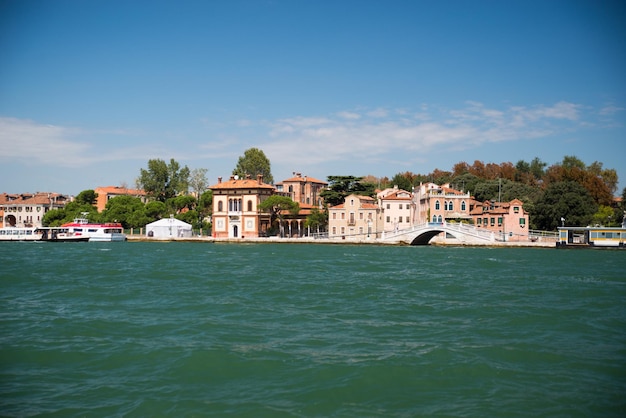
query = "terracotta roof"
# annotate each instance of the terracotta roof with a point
(298, 179)
(395, 195)
(33, 199)
(119, 190)
(241, 184)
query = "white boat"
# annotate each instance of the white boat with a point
(20, 234)
(103, 232)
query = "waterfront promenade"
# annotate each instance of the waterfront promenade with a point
(544, 243)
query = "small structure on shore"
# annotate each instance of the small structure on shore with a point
(168, 228)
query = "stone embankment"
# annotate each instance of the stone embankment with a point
(306, 240)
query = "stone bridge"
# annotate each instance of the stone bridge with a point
(422, 234)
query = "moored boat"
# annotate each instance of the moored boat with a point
(20, 234)
(104, 232)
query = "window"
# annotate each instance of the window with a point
(400, 206)
(361, 215)
(493, 221)
(351, 202)
(407, 219)
(500, 221)
(249, 205)
(220, 206)
(479, 221)
(388, 219)
(437, 205)
(485, 221)
(515, 209)
(434, 218)
(400, 220)
(451, 205)
(343, 230)
(334, 215)
(522, 221)
(343, 215)
(463, 206)
(388, 206)
(334, 230)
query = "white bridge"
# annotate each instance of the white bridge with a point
(422, 234)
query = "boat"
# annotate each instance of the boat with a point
(99, 232)
(20, 234)
(592, 236)
(52, 234)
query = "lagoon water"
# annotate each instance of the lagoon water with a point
(300, 330)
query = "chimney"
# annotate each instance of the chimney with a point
(259, 178)
(232, 177)
(219, 180)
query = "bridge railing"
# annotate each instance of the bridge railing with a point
(462, 228)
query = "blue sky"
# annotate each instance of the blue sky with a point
(91, 90)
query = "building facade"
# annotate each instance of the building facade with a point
(359, 217)
(27, 209)
(236, 211)
(109, 192)
(434, 203)
(305, 191)
(397, 209)
(508, 219)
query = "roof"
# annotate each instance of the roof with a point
(366, 202)
(119, 190)
(247, 183)
(39, 198)
(168, 222)
(299, 178)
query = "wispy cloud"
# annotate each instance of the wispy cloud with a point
(375, 135)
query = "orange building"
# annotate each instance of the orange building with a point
(109, 192)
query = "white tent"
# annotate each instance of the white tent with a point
(168, 228)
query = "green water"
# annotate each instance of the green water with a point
(284, 330)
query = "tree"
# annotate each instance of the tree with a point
(318, 219)
(568, 200)
(129, 211)
(198, 181)
(604, 216)
(156, 210)
(277, 205)
(163, 181)
(254, 162)
(341, 186)
(87, 197)
(404, 181)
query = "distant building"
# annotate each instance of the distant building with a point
(358, 217)
(434, 203)
(236, 211)
(305, 191)
(109, 192)
(509, 219)
(397, 208)
(27, 209)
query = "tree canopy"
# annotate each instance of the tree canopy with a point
(341, 186)
(254, 162)
(162, 181)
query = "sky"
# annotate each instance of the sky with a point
(90, 90)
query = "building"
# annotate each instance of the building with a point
(236, 211)
(397, 208)
(109, 192)
(306, 192)
(434, 203)
(509, 219)
(27, 209)
(358, 217)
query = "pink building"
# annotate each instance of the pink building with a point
(397, 207)
(434, 203)
(509, 219)
(358, 217)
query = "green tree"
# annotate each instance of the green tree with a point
(341, 186)
(87, 197)
(317, 220)
(404, 181)
(277, 206)
(129, 211)
(162, 181)
(568, 200)
(604, 216)
(156, 210)
(254, 162)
